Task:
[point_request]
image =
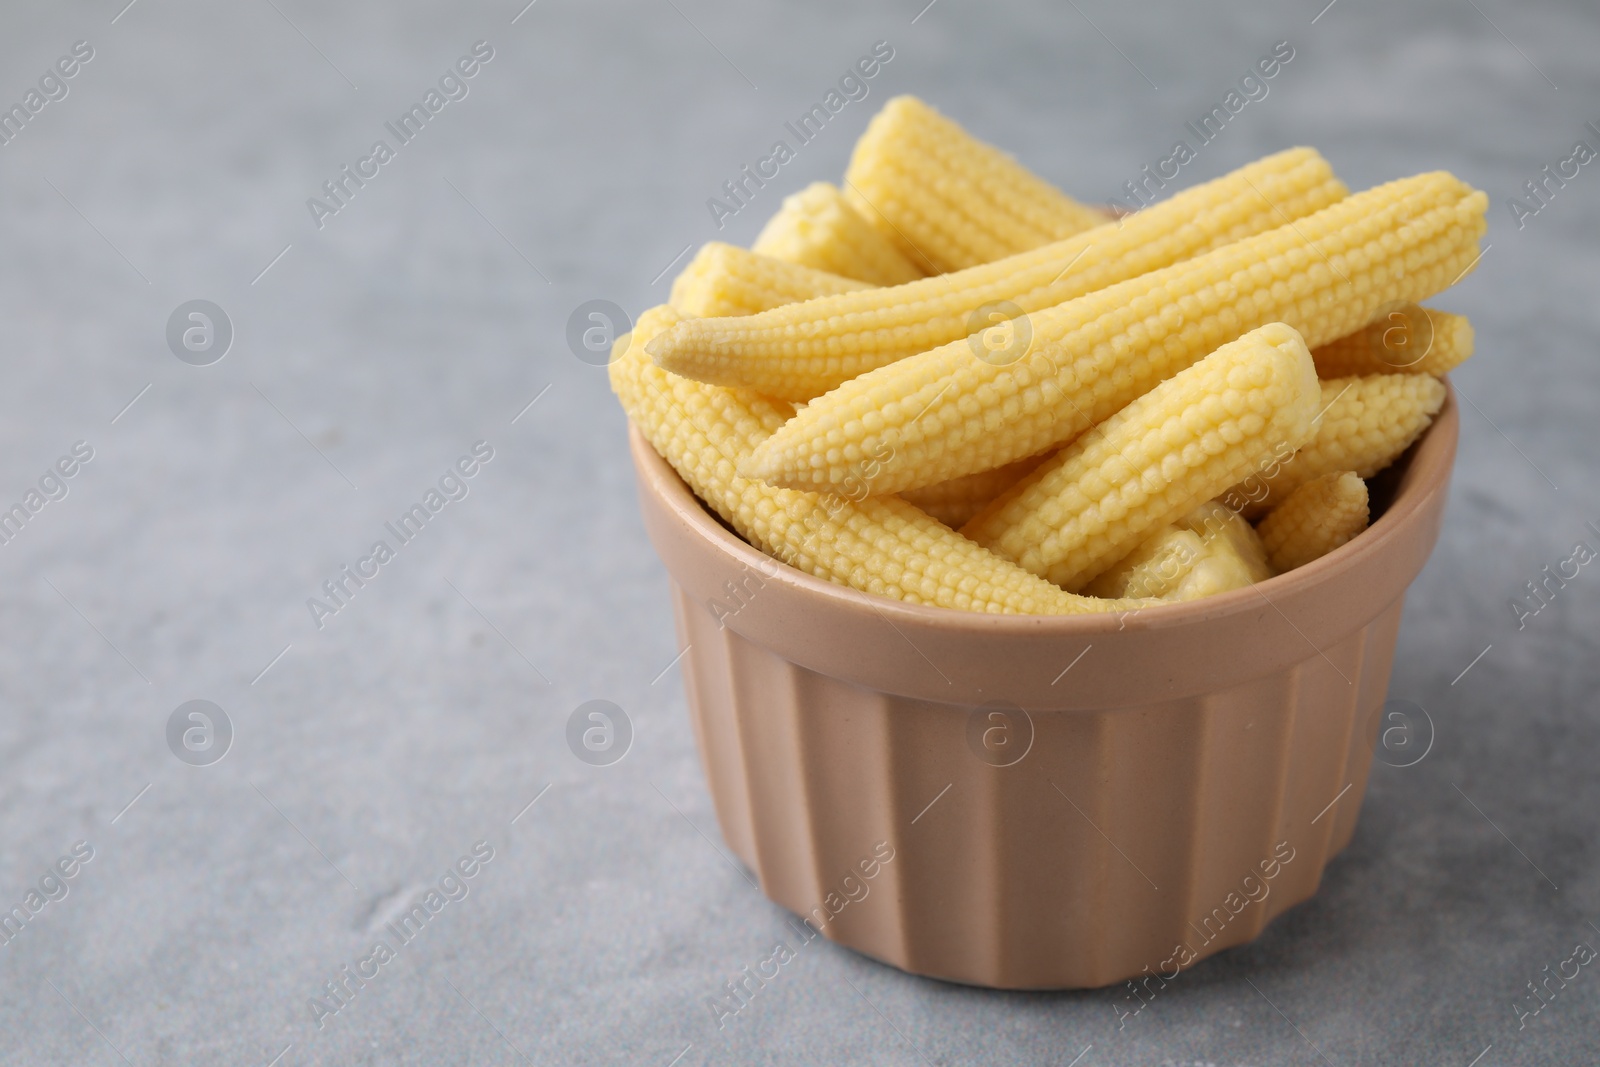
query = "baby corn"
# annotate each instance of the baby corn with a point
(955, 502)
(1210, 550)
(882, 546)
(817, 228)
(946, 412)
(1409, 340)
(1366, 422)
(804, 350)
(1169, 451)
(946, 199)
(1315, 519)
(724, 280)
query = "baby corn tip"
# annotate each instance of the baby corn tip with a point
(662, 349)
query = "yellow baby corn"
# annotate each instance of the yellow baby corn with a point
(1315, 519)
(1171, 450)
(1233, 558)
(724, 280)
(948, 200)
(1408, 340)
(1155, 567)
(955, 502)
(817, 228)
(1366, 422)
(946, 412)
(1210, 550)
(882, 546)
(804, 350)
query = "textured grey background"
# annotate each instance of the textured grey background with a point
(424, 317)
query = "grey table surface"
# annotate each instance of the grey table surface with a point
(368, 354)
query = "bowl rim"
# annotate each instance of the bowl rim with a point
(1424, 471)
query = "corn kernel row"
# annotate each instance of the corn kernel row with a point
(817, 227)
(1364, 424)
(948, 200)
(1406, 340)
(1168, 452)
(722, 279)
(945, 413)
(803, 350)
(1315, 519)
(882, 546)
(955, 502)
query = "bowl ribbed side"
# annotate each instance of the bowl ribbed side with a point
(1120, 836)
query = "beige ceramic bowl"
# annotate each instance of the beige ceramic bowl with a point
(1066, 802)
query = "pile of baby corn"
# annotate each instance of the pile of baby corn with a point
(949, 383)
